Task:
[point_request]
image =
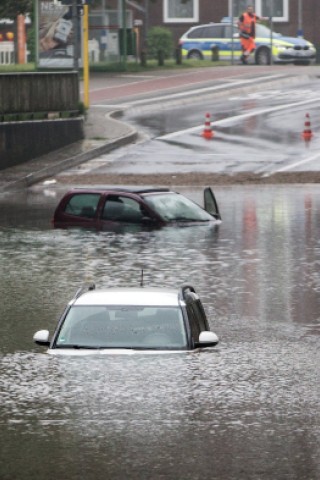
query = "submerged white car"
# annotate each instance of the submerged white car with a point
(130, 320)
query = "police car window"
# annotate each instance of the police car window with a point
(196, 33)
(213, 31)
(264, 32)
(227, 31)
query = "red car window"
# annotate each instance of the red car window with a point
(119, 208)
(83, 205)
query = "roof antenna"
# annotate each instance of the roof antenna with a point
(141, 279)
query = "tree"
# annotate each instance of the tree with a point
(12, 8)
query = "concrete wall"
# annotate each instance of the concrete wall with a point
(23, 141)
(50, 94)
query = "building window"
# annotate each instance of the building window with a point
(278, 9)
(181, 11)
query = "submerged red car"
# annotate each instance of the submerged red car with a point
(105, 208)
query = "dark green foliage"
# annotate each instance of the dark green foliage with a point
(12, 8)
(31, 42)
(160, 39)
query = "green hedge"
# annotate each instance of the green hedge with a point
(160, 39)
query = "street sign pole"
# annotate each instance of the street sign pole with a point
(232, 38)
(271, 30)
(124, 33)
(75, 35)
(85, 35)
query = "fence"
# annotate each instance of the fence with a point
(27, 92)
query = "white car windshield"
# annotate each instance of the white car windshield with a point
(123, 327)
(174, 207)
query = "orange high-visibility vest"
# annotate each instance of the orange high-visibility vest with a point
(246, 25)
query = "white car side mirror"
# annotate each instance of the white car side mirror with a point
(41, 337)
(208, 339)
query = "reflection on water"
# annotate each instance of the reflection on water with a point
(247, 409)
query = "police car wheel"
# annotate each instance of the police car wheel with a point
(263, 56)
(195, 55)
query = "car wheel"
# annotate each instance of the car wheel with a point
(195, 55)
(263, 56)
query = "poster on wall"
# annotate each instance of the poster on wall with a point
(56, 39)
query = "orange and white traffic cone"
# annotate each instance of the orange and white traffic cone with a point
(307, 132)
(207, 132)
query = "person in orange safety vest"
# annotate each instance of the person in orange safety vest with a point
(247, 26)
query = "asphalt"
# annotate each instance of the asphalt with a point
(104, 131)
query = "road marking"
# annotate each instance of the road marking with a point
(231, 120)
(274, 93)
(184, 93)
(150, 76)
(293, 165)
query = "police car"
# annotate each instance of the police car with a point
(202, 41)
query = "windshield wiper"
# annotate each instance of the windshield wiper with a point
(185, 219)
(78, 347)
(101, 347)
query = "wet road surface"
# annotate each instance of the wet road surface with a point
(248, 409)
(258, 133)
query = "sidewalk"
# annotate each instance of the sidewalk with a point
(104, 132)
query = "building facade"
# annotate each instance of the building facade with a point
(290, 17)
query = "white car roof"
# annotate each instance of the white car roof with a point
(129, 296)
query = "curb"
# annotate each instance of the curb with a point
(35, 177)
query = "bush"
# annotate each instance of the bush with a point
(31, 42)
(160, 40)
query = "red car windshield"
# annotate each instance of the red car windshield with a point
(174, 207)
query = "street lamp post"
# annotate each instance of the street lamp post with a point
(75, 20)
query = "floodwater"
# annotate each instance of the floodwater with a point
(247, 409)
